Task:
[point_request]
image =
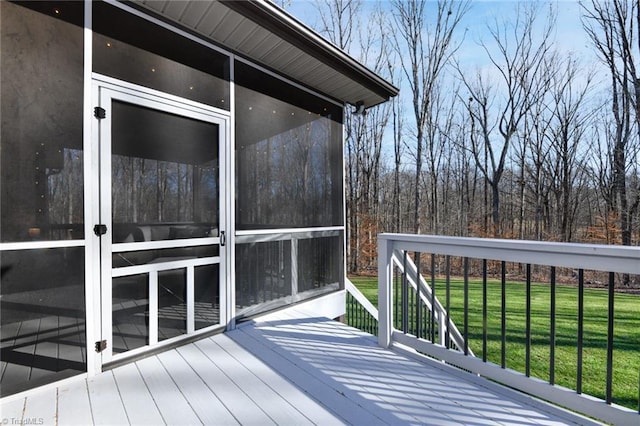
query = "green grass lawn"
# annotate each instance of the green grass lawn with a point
(626, 357)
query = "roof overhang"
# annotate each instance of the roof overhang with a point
(265, 34)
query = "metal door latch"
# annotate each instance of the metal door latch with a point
(100, 229)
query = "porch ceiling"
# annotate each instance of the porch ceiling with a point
(260, 31)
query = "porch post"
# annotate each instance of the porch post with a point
(385, 271)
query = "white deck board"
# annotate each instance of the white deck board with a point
(42, 407)
(283, 371)
(246, 411)
(12, 410)
(277, 408)
(312, 410)
(106, 405)
(341, 402)
(350, 362)
(203, 401)
(175, 409)
(73, 405)
(352, 372)
(138, 402)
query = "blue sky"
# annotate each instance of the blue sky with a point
(569, 33)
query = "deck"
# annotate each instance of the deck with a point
(282, 370)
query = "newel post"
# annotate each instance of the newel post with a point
(385, 279)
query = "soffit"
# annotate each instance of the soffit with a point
(263, 33)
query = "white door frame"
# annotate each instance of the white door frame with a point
(104, 90)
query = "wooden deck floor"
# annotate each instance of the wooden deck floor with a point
(285, 371)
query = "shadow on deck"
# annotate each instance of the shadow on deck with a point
(282, 370)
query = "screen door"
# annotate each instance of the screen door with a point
(161, 207)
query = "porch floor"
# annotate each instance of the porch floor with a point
(282, 370)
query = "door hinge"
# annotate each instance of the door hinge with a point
(101, 345)
(100, 229)
(99, 113)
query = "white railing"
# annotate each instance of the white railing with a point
(413, 279)
(360, 298)
(359, 311)
(472, 256)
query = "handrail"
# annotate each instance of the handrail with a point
(608, 258)
(426, 296)
(360, 312)
(360, 298)
(579, 257)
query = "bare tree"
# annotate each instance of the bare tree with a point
(498, 106)
(442, 128)
(551, 155)
(424, 51)
(612, 26)
(364, 133)
(398, 127)
(338, 20)
(567, 151)
(532, 153)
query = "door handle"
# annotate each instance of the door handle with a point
(223, 239)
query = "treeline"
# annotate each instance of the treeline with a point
(520, 140)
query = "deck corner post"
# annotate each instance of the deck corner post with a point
(385, 278)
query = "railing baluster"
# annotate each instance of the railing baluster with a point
(355, 311)
(448, 301)
(433, 298)
(425, 320)
(354, 314)
(466, 306)
(580, 329)
(503, 307)
(610, 319)
(418, 318)
(405, 296)
(367, 319)
(361, 316)
(552, 343)
(410, 311)
(484, 310)
(398, 312)
(528, 323)
(350, 319)
(396, 298)
(358, 314)
(347, 313)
